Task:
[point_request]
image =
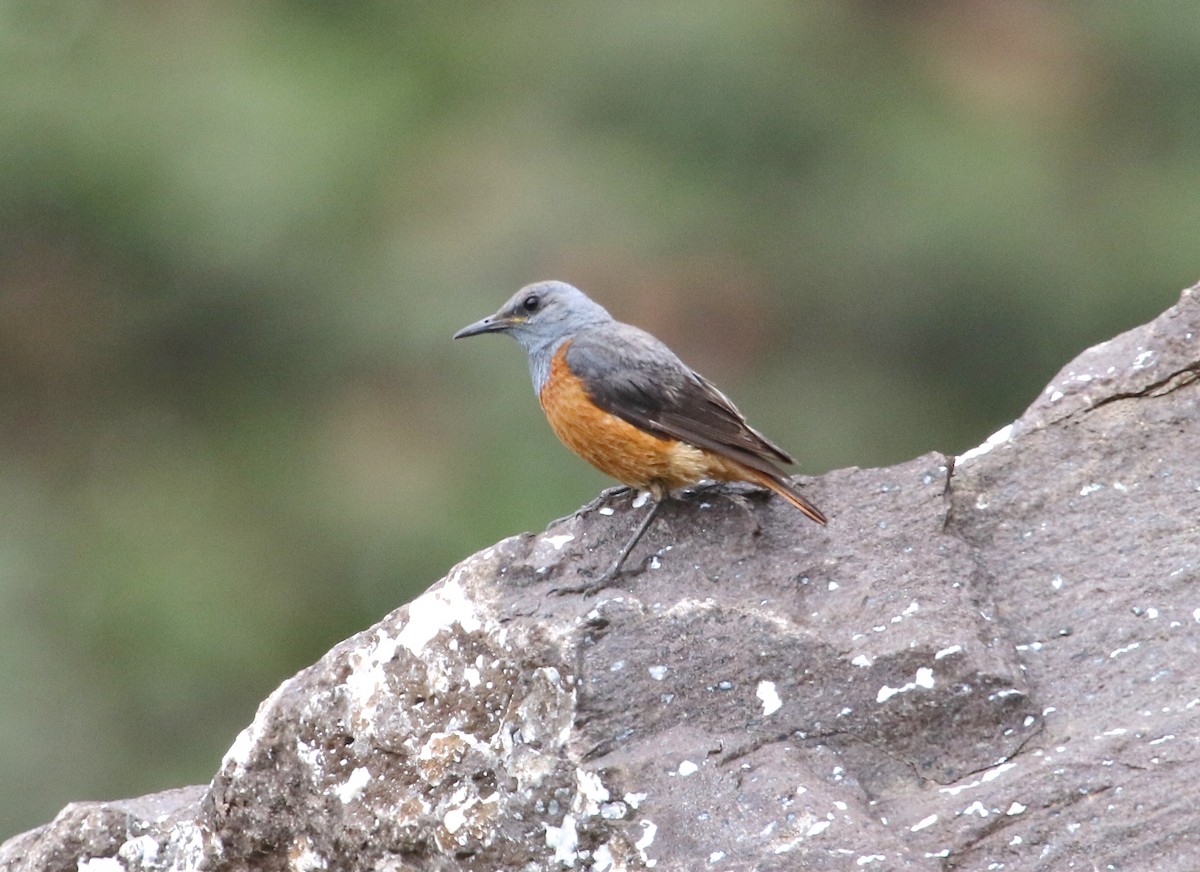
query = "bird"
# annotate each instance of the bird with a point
(623, 401)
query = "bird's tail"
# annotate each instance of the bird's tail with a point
(789, 492)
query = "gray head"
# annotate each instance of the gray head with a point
(541, 317)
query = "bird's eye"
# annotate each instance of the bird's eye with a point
(532, 303)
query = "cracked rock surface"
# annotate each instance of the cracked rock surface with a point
(989, 669)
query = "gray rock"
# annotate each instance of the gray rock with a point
(994, 669)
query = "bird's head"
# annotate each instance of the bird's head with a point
(541, 315)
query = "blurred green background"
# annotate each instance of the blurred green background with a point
(235, 239)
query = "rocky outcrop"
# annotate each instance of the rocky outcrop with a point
(981, 664)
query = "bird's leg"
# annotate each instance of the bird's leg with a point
(633, 540)
(590, 587)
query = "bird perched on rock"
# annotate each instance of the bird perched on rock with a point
(624, 402)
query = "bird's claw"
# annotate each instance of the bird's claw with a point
(600, 500)
(587, 588)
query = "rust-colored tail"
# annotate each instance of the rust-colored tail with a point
(789, 492)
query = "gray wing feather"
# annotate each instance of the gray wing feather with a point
(630, 374)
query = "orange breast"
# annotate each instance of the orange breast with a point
(615, 447)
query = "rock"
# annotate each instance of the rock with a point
(158, 831)
(988, 669)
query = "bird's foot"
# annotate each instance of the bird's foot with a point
(587, 588)
(603, 581)
(593, 586)
(603, 497)
(706, 489)
(599, 502)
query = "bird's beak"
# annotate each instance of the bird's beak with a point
(491, 324)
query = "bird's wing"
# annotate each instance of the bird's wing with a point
(630, 374)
